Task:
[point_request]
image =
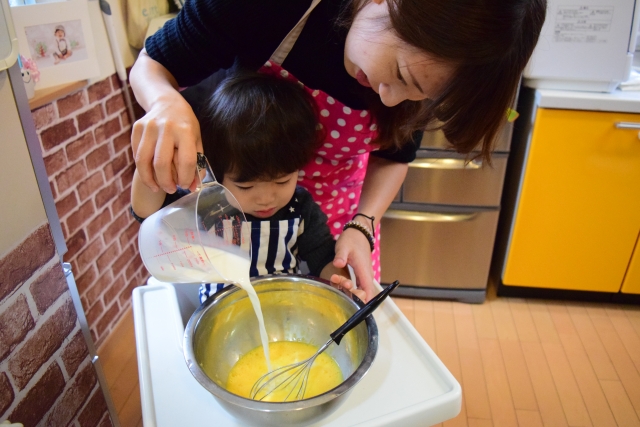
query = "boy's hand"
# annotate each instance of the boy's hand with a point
(342, 282)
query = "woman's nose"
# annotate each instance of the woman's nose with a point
(390, 96)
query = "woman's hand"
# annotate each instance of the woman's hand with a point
(166, 139)
(165, 142)
(353, 248)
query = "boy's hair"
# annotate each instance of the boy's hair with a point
(259, 127)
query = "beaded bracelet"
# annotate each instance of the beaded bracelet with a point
(370, 218)
(362, 229)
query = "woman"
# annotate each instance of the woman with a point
(381, 71)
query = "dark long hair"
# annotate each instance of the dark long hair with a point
(488, 41)
(259, 127)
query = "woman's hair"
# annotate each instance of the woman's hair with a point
(259, 127)
(488, 41)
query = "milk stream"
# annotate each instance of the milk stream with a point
(232, 269)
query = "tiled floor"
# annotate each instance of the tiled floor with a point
(520, 362)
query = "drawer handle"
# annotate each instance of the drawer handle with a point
(429, 216)
(445, 163)
(627, 125)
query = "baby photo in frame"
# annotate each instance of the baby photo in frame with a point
(58, 37)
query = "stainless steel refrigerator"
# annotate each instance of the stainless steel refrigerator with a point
(437, 236)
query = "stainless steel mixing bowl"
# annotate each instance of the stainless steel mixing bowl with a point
(295, 308)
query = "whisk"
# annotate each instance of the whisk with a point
(294, 377)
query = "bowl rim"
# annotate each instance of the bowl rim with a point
(239, 401)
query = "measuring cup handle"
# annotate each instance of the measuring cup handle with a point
(360, 315)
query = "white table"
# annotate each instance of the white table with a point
(407, 384)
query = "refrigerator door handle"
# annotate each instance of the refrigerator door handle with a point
(429, 216)
(627, 125)
(445, 163)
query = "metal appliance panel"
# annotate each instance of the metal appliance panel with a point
(436, 140)
(438, 249)
(454, 181)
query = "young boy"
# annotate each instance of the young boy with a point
(258, 132)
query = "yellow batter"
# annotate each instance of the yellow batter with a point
(325, 373)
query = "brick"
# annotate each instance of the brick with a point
(44, 116)
(100, 221)
(116, 166)
(48, 287)
(89, 118)
(122, 141)
(115, 228)
(33, 407)
(114, 289)
(127, 176)
(90, 253)
(123, 201)
(41, 344)
(100, 285)
(94, 410)
(66, 204)
(107, 318)
(80, 216)
(125, 258)
(53, 190)
(69, 178)
(73, 398)
(106, 194)
(57, 134)
(107, 130)
(99, 157)
(71, 103)
(94, 313)
(134, 267)
(90, 186)
(125, 295)
(6, 393)
(124, 119)
(80, 146)
(22, 262)
(130, 233)
(15, 322)
(115, 82)
(55, 162)
(99, 90)
(85, 280)
(75, 244)
(75, 353)
(106, 258)
(115, 104)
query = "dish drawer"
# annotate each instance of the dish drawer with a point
(438, 249)
(435, 177)
(437, 141)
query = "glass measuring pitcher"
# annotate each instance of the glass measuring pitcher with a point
(198, 238)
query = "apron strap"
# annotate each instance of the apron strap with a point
(287, 44)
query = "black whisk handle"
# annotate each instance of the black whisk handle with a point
(360, 315)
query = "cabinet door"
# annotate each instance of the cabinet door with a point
(578, 212)
(631, 284)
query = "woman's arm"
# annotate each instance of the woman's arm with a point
(166, 139)
(382, 183)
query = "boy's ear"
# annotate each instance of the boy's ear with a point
(377, 1)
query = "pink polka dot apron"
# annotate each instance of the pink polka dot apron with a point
(335, 176)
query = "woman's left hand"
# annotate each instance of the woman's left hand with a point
(352, 248)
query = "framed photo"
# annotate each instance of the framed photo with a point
(58, 37)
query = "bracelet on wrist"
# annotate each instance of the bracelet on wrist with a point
(363, 230)
(370, 218)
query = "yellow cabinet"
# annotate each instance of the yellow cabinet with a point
(631, 284)
(577, 216)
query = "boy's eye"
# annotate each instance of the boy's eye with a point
(283, 182)
(244, 187)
